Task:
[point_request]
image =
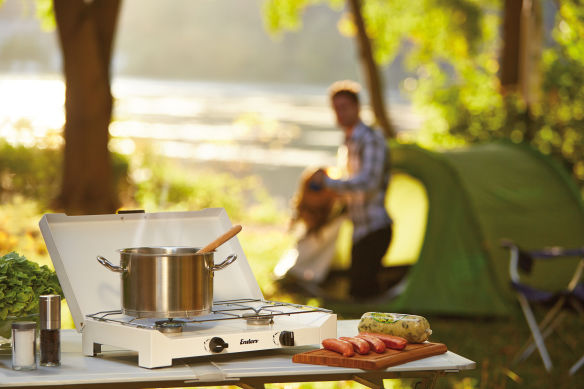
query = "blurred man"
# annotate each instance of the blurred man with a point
(364, 189)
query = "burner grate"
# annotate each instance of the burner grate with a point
(222, 310)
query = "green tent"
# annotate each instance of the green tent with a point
(475, 197)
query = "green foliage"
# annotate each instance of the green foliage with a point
(285, 15)
(459, 91)
(21, 284)
(437, 28)
(451, 49)
(29, 172)
(165, 185)
(35, 173)
(432, 29)
(46, 14)
(468, 107)
(19, 230)
(560, 114)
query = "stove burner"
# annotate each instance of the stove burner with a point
(258, 319)
(169, 326)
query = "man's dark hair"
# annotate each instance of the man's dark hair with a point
(345, 88)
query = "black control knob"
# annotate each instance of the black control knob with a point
(217, 345)
(287, 338)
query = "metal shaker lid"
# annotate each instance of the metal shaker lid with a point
(50, 311)
(23, 325)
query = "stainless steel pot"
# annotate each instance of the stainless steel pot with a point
(166, 282)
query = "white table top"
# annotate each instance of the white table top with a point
(118, 366)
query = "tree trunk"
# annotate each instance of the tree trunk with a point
(522, 40)
(86, 31)
(520, 71)
(509, 75)
(530, 54)
(370, 69)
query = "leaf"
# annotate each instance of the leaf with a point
(46, 14)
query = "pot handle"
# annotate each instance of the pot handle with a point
(109, 265)
(228, 261)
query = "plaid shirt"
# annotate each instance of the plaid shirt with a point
(368, 166)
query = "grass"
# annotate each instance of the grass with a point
(491, 343)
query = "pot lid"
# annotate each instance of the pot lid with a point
(74, 242)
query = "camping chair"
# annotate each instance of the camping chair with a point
(571, 296)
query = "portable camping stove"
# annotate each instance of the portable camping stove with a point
(240, 320)
(233, 326)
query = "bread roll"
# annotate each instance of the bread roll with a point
(415, 329)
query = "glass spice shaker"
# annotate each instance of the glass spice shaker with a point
(24, 345)
(50, 316)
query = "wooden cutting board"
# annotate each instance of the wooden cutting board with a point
(371, 361)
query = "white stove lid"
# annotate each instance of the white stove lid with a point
(74, 242)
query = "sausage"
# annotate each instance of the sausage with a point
(415, 329)
(391, 341)
(376, 343)
(361, 346)
(339, 346)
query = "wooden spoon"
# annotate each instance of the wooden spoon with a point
(220, 240)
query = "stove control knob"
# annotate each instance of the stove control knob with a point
(217, 345)
(287, 338)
